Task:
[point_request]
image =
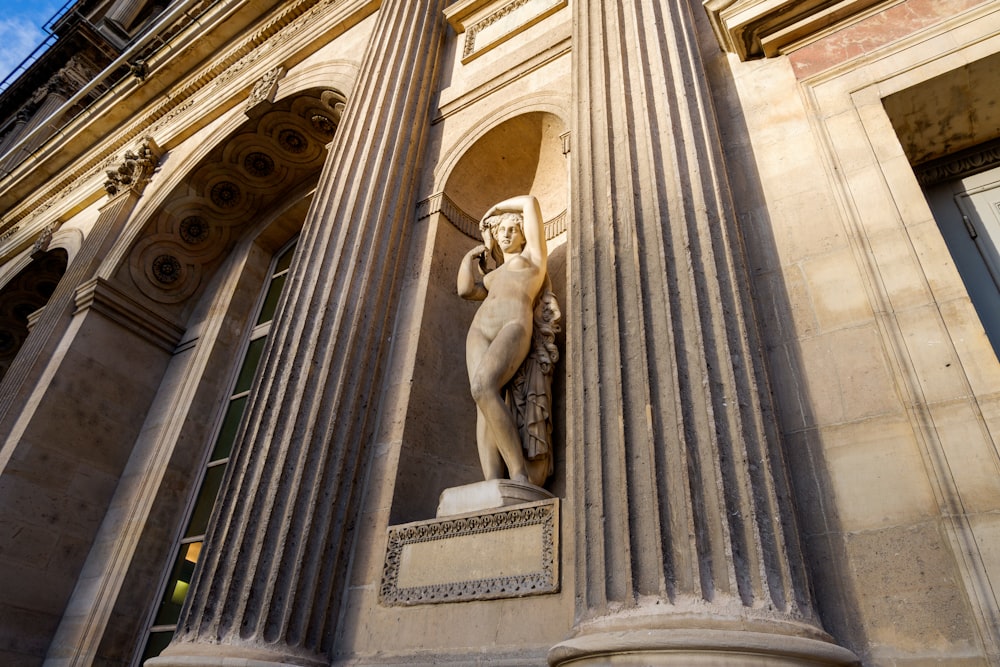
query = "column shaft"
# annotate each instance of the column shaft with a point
(273, 570)
(681, 487)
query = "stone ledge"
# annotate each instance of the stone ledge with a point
(754, 28)
(488, 495)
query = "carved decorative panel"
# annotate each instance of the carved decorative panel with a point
(506, 553)
(485, 29)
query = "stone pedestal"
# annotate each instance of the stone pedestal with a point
(488, 495)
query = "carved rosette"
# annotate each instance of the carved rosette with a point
(135, 169)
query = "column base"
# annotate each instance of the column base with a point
(227, 655)
(698, 648)
(703, 637)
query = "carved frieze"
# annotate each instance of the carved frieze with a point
(964, 163)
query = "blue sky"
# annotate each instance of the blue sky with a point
(20, 29)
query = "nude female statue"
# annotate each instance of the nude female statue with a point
(501, 337)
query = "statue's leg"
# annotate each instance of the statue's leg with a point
(498, 365)
(489, 453)
(476, 347)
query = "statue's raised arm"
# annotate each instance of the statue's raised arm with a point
(532, 226)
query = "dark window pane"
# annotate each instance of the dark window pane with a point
(285, 260)
(231, 423)
(271, 300)
(249, 365)
(206, 500)
(177, 587)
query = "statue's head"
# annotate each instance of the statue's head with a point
(503, 233)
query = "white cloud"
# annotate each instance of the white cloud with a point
(20, 29)
(18, 38)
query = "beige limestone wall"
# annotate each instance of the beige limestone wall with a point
(885, 383)
(416, 439)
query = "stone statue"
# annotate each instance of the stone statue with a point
(510, 347)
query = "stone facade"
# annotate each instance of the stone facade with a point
(234, 381)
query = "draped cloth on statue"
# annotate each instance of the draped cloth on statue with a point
(529, 392)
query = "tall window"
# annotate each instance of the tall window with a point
(189, 549)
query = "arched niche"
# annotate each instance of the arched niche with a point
(24, 294)
(522, 155)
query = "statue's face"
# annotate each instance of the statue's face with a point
(509, 235)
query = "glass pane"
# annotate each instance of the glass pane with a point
(285, 260)
(249, 365)
(231, 423)
(177, 587)
(206, 501)
(157, 642)
(271, 300)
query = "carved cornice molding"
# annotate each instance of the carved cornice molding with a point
(754, 28)
(291, 18)
(103, 297)
(468, 225)
(961, 164)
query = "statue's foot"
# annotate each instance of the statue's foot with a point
(520, 479)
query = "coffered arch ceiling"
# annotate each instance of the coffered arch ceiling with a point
(234, 187)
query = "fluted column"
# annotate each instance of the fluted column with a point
(273, 569)
(686, 548)
(54, 98)
(123, 13)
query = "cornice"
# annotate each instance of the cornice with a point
(103, 297)
(755, 28)
(34, 184)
